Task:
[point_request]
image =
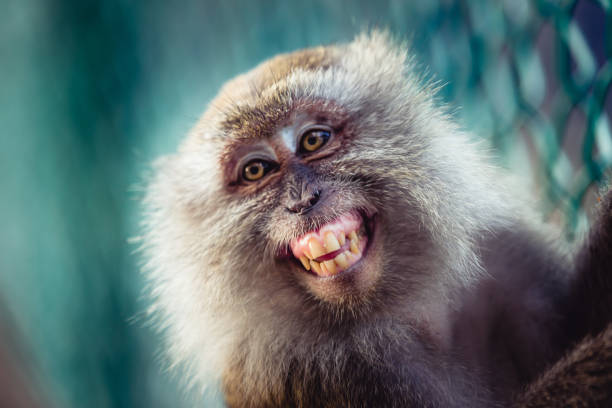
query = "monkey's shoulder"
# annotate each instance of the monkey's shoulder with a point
(510, 324)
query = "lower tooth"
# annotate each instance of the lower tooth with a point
(342, 261)
(305, 262)
(330, 265)
(315, 266)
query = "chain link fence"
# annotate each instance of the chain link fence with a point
(534, 76)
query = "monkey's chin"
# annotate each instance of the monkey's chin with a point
(341, 260)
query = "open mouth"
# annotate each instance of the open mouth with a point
(335, 247)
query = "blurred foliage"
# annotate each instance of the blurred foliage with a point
(91, 92)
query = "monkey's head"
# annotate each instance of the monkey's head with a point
(322, 189)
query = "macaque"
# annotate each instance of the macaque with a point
(327, 235)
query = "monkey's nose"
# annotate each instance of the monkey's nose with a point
(305, 204)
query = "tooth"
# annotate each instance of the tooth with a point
(354, 248)
(330, 266)
(353, 236)
(331, 242)
(324, 270)
(305, 262)
(315, 266)
(315, 248)
(342, 238)
(342, 261)
(307, 253)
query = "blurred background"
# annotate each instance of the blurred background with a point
(92, 92)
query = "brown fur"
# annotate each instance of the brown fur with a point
(583, 378)
(246, 113)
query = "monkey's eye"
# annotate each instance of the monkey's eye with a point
(313, 140)
(256, 169)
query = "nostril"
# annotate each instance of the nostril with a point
(305, 204)
(315, 198)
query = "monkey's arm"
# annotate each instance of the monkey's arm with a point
(584, 376)
(590, 302)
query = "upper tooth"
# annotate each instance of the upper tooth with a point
(353, 236)
(315, 248)
(307, 253)
(354, 248)
(342, 238)
(331, 242)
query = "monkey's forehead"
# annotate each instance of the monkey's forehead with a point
(275, 70)
(252, 102)
(250, 105)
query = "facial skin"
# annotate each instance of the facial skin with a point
(318, 238)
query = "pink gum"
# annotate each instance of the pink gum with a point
(345, 224)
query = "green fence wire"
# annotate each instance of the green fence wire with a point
(535, 77)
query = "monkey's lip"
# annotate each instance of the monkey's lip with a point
(335, 247)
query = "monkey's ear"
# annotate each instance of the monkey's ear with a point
(583, 378)
(589, 306)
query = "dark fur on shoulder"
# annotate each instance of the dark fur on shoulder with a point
(583, 378)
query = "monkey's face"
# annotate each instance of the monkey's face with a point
(317, 188)
(306, 184)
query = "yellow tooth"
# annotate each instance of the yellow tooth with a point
(342, 260)
(315, 248)
(342, 238)
(324, 270)
(307, 253)
(354, 247)
(315, 266)
(305, 262)
(331, 242)
(353, 236)
(330, 266)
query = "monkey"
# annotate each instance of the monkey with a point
(328, 235)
